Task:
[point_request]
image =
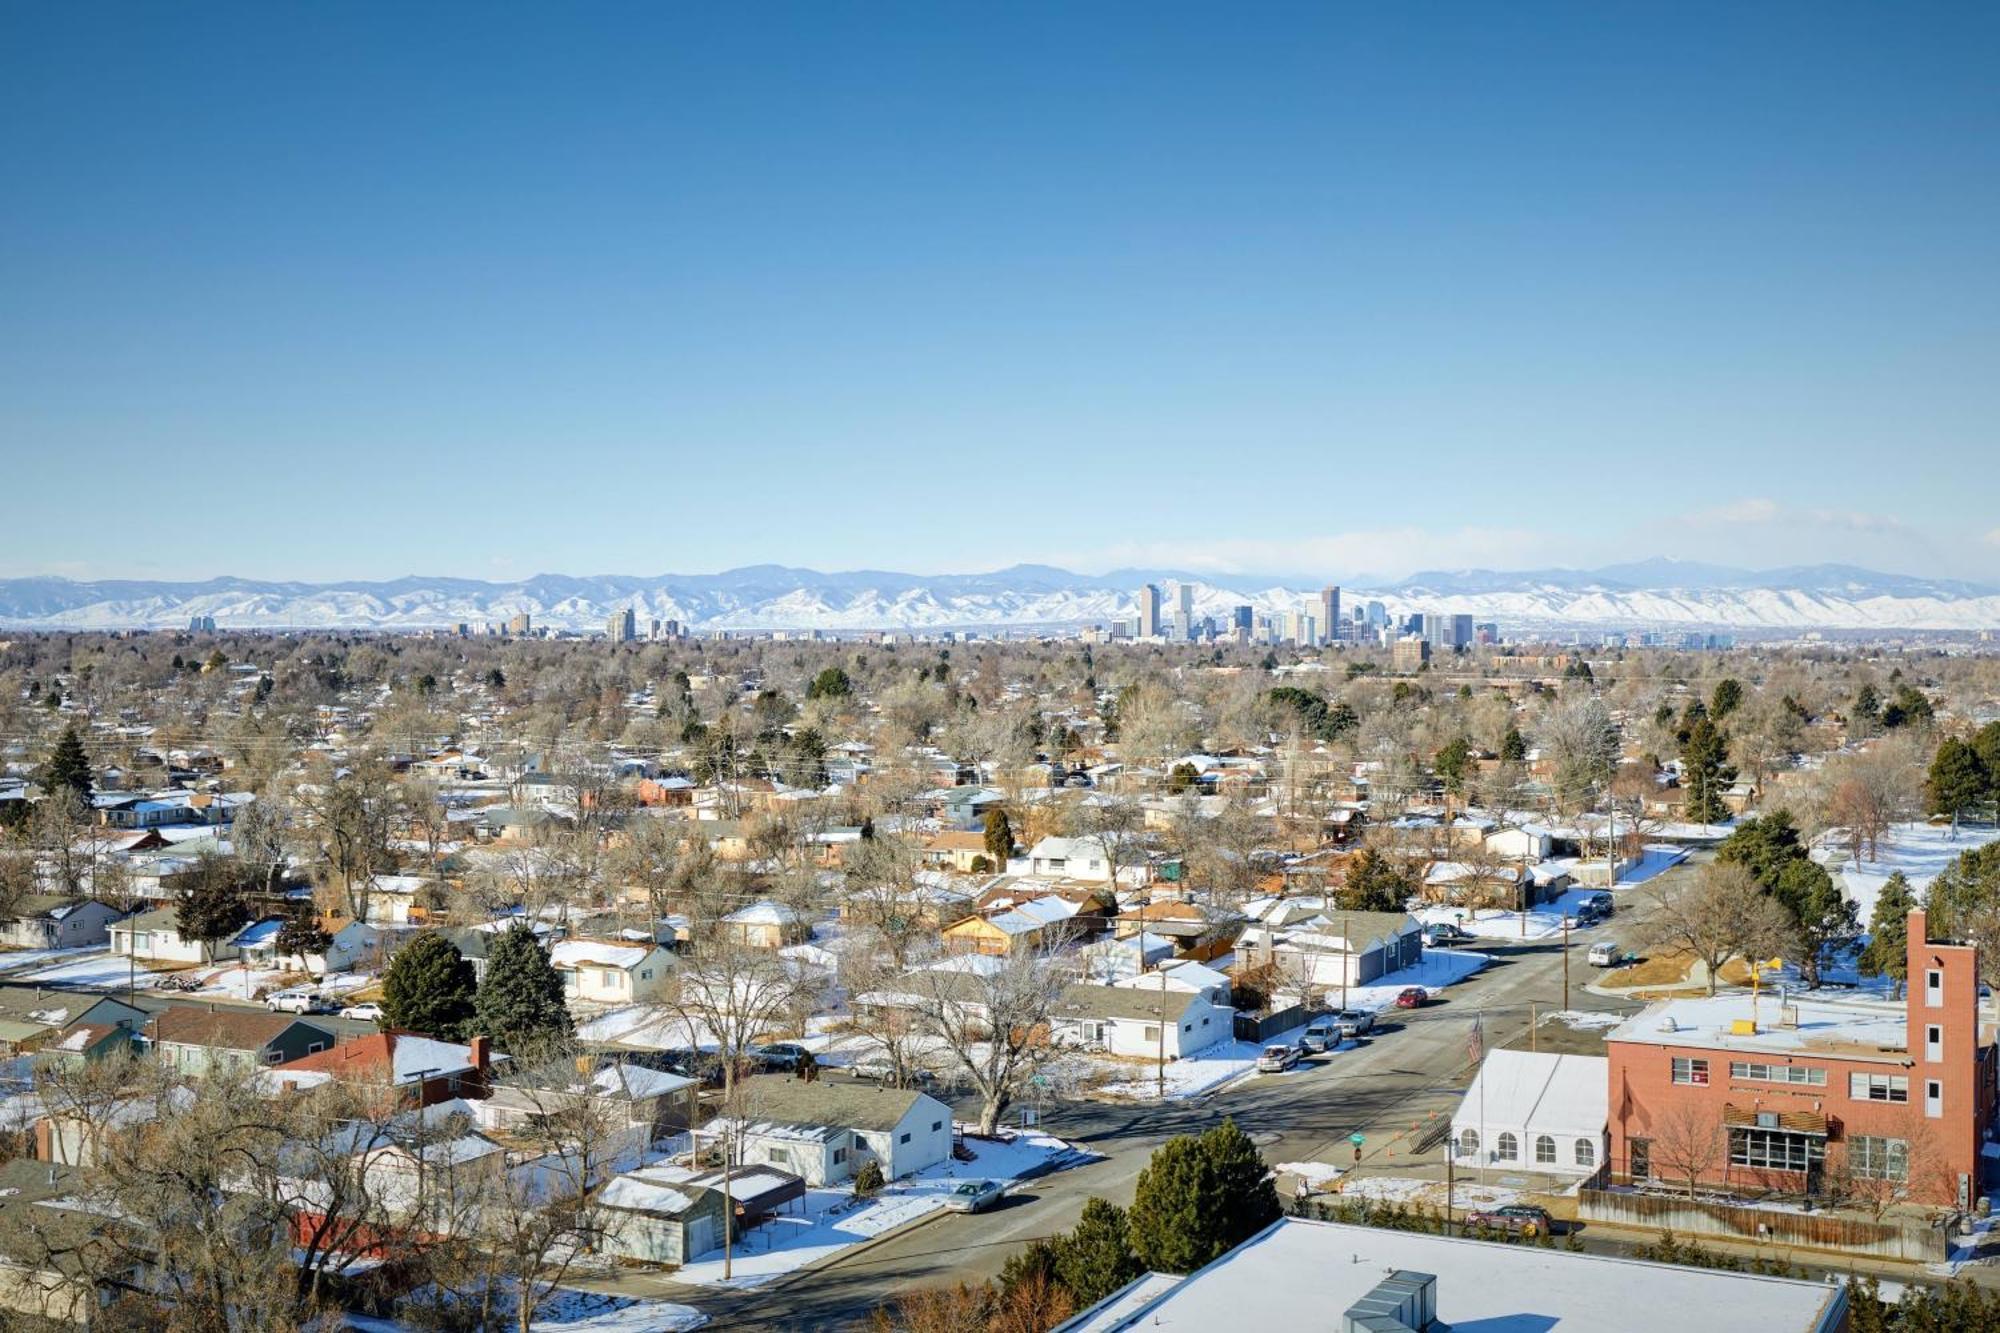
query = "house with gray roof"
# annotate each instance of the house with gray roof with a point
(822, 1131)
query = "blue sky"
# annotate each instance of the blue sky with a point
(362, 290)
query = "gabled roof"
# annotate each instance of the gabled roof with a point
(226, 1029)
(1121, 1002)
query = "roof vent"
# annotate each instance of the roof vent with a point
(1402, 1302)
(1667, 1024)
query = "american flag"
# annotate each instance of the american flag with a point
(1475, 1045)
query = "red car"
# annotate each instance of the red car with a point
(1412, 997)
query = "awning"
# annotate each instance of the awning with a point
(1796, 1122)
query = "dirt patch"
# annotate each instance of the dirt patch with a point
(1661, 969)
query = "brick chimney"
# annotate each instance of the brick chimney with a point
(482, 1054)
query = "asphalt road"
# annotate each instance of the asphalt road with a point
(1417, 1062)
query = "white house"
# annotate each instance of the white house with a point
(611, 972)
(822, 1131)
(1080, 859)
(1347, 948)
(155, 937)
(54, 921)
(1535, 1111)
(1128, 1020)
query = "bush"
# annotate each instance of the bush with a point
(868, 1180)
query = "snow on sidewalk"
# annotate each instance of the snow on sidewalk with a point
(833, 1219)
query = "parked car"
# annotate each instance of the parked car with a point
(298, 1002)
(367, 1012)
(1606, 953)
(780, 1056)
(1441, 934)
(1602, 903)
(974, 1196)
(878, 1069)
(1322, 1034)
(1522, 1218)
(1412, 997)
(1355, 1022)
(1277, 1058)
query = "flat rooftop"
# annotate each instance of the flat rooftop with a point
(1303, 1274)
(1857, 1027)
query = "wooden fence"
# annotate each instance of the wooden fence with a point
(1890, 1239)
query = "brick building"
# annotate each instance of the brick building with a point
(1812, 1092)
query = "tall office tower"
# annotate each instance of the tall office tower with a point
(521, 623)
(1461, 632)
(623, 626)
(1378, 614)
(1329, 612)
(1242, 618)
(1302, 628)
(1149, 611)
(1184, 609)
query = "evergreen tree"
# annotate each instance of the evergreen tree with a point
(1764, 846)
(1705, 771)
(1910, 707)
(1964, 903)
(1958, 779)
(520, 1001)
(1513, 746)
(1453, 763)
(1825, 917)
(301, 935)
(999, 838)
(1095, 1258)
(68, 768)
(429, 988)
(1867, 707)
(1986, 744)
(1373, 884)
(212, 905)
(832, 683)
(1726, 699)
(1198, 1198)
(1887, 954)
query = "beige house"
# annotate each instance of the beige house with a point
(611, 972)
(767, 925)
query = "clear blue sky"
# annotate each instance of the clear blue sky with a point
(352, 290)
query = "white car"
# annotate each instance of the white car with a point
(369, 1012)
(297, 1002)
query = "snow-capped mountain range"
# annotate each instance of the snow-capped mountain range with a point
(1648, 594)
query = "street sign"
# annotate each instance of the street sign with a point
(1356, 1139)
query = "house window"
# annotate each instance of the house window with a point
(1152, 1032)
(1507, 1148)
(839, 1156)
(141, 940)
(273, 1057)
(1933, 1097)
(1468, 1143)
(1750, 1071)
(903, 1138)
(1689, 1070)
(645, 974)
(1545, 1150)
(1774, 1149)
(1933, 1043)
(314, 1048)
(1875, 1158)
(1586, 1153)
(1878, 1087)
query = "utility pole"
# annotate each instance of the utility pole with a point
(1162, 1030)
(1347, 940)
(1565, 960)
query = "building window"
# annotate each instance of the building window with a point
(1545, 1150)
(1875, 1158)
(1507, 1148)
(904, 1138)
(1152, 1032)
(1933, 1043)
(1749, 1071)
(1878, 1087)
(1586, 1153)
(1774, 1149)
(1468, 1143)
(1933, 1097)
(1689, 1070)
(839, 1156)
(936, 1125)
(1933, 988)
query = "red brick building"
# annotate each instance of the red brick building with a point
(1812, 1092)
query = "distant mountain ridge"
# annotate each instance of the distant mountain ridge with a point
(1650, 593)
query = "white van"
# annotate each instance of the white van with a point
(1603, 954)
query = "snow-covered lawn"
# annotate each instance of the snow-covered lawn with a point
(833, 1219)
(1920, 851)
(1430, 1193)
(1654, 859)
(14, 959)
(1440, 968)
(1192, 1075)
(567, 1311)
(1584, 1019)
(95, 969)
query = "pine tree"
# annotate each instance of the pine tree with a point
(1705, 771)
(1824, 915)
(1958, 779)
(212, 905)
(1198, 1198)
(1453, 762)
(1513, 746)
(301, 935)
(832, 683)
(999, 838)
(68, 768)
(521, 999)
(429, 988)
(1887, 954)
(1726, 699)
(1095, 1258)
(1372, 884)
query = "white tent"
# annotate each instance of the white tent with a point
(1529, 1111)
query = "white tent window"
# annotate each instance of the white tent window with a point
(1468, 1143)
(1507, 1148)
(1545, 1150)
(1586, 1154)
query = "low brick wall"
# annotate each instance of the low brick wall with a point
(1892, 1239)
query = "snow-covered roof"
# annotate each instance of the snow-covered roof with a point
(597, 953)
(1539, 1092)
(764, 912)
(1853, 1027)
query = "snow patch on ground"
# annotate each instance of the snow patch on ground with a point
(1585, 1020)
(1538, 923)
(96, 969)
(832, 1219)
(1920, 851)
(1430, 1193)
(1440, 968)
(567, 1311)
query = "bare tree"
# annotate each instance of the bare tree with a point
(1720, 913)
(1688, 1143)
(994, 1023)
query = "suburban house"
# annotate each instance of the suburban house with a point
(1085, 859)
(767, 925)
(1335, 949)
(193, 1041)
(962, 850)
(669, 1214)
(643, 1103)
(1140, 1022)
(1799, 1089)
(52, 1253)
(1028, 924)
(929, 899)
(611, 972)
(1534, 1111)
(407, 1067)
(155, 937)
(822, 1131)
(58, 921)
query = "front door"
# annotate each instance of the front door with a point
(1642, 1159)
